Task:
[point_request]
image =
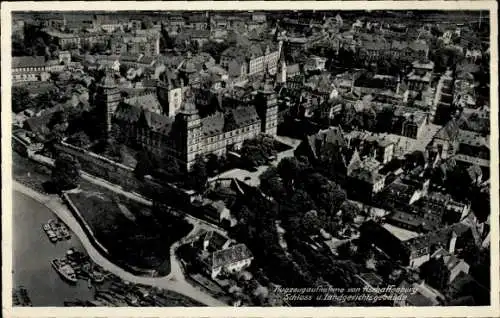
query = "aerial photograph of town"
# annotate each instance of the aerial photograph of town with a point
(285, 158)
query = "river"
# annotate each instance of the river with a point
(32, 253)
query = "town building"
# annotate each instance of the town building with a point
(107, 23)
(64, 40)
(29, 69)
(453, 264)
(257, 58)
(230, 260)
(125, 43)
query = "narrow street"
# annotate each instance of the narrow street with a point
(174, 281)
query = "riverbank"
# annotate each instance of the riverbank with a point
(174, 282)
(32, 253)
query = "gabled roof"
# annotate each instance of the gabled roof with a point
(215, 240)
(230, 255)
(474, 172)
(133, 115)
(147, 101)
(451, 261)
(27, 61)
(449, 131)
(244, 116)
(213, 124)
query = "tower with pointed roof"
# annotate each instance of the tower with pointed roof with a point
(190, 132)
(281, 73)
(106, 100)
(169, 93)
(267, 106)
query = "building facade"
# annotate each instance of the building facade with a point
(29, 69)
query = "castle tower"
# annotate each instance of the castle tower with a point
(267, 107)
(190, 135)
(107, 99)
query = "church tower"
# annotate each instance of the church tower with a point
(267, 106)
(107, 99)
(281, 73)
(190, 133)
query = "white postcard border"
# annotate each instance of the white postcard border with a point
(8, 311)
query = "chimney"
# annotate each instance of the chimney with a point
(452, 243)
(352, 84)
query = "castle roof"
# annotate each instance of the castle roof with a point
(128, 113)
(213, 125)
(133, 114)
(235, 118)
(146, 101)
(244, 116)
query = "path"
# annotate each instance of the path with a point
(174, 281)
(146, 201)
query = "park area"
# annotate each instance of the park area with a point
(132, 233)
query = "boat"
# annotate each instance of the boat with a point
(59, 235)
(52, 236)
(53, 225)
(25, 299)
(46, 227)
(65, 270)
(97, 277)
(65, 233)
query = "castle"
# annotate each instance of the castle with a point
(183, 135)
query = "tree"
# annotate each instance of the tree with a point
(21, 99)
(251, 154)
(170, 171)
(198, 177)
(46, 99)
(272, 184)
(349, 212)
(299, 203)
(66, 172)
(123, 70)
(310, 222)
(435, 273)
(330, 197)
(213, 164)
(215, 49)
(145, 165)
(80, 139)
(58, 124)
(347, 250)
(147, 23)
(289, 170)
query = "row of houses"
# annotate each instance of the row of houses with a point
(136, 42)
(37, 68)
